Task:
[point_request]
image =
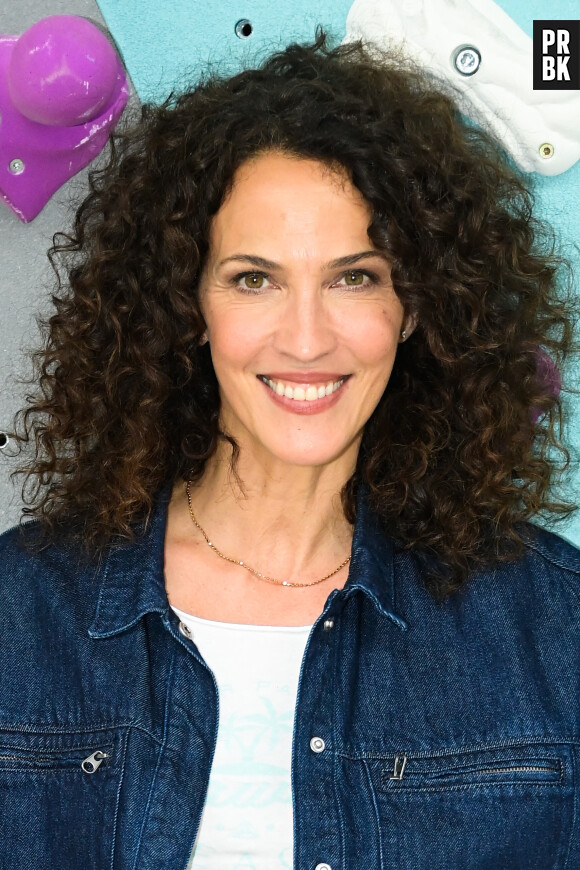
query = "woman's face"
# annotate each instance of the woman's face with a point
(301, 315)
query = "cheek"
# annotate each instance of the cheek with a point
(234, 342)
(374, 339)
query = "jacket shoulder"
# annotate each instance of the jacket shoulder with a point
(13, 543)
(24, 557)
(551, 549)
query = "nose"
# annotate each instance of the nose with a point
(306, 330)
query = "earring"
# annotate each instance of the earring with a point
(403, 335)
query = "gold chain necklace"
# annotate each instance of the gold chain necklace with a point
(245, 564)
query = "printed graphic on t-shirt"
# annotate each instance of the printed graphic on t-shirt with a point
(247, 819)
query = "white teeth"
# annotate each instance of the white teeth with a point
(310, 394)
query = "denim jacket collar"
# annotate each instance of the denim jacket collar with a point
(133, 576)
(133, 581)
(372, 562)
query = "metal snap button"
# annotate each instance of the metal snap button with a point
(185, 630)
(323, 867)
(328, 624)
(317, 744)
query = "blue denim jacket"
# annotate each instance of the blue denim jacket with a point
(448, 733)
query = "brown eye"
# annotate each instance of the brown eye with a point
(254, 280)
(354, 279)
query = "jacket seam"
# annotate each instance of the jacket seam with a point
(459, 750)
(573, 827)
(552, 560)
(376, 811)
(335, 711)
(158, 765)
(117, 802)
(103, 569)
(21, 728)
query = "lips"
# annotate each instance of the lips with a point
(310, 376)
(301, 393)
(303, 386)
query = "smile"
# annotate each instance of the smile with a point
(302, 392)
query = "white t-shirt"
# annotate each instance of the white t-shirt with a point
(247, 821)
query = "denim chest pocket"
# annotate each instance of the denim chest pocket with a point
(58, 798)
(476, 809)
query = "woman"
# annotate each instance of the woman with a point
(296, 403)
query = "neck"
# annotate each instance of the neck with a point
(287, 522)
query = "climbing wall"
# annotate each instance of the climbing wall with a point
(164, 45)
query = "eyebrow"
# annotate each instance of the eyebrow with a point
(349, 260)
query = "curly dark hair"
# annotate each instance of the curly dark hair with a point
(464, 444)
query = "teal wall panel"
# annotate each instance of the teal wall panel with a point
(166, 44)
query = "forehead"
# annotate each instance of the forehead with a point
(274, 164)
(293, 198)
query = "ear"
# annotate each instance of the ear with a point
(204, 338)
(407, 327)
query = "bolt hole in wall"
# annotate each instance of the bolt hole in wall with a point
(16, 166)
(244, 28)
(467, 60)
(4, 440)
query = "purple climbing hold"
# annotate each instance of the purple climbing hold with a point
(62, 90)
(62, 71)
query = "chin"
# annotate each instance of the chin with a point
(309, 455)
